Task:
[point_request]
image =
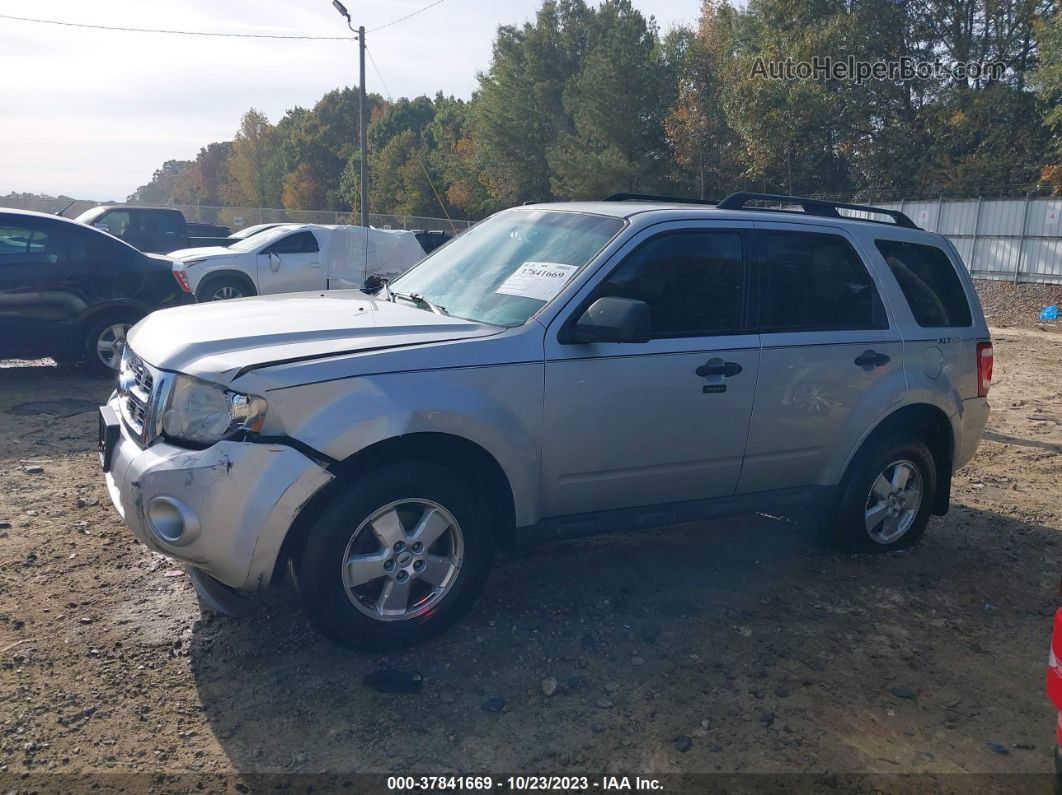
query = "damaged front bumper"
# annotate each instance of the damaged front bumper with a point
(224, 510)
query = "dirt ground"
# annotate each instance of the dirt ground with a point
(728, 646)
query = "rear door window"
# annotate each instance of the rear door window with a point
(809, 281)
(20, 244)
(928, 282)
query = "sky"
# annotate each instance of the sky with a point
(92, 113)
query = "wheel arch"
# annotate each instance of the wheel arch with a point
(931, 425)
(455, 453)
(214, 276)
(96, 312)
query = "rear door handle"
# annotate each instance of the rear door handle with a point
(725, 369)
(871, 359)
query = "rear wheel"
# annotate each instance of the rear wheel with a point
(105, 342)
(395, 559)
(886, 498)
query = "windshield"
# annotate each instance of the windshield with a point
(264, 238)
(254, 230)
(505, 269)
(90, 215)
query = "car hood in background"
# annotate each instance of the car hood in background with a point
(220, 340)
(206, 252)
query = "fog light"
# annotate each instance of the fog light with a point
(172, 520)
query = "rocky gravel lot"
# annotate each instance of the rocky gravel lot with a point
(731, 646)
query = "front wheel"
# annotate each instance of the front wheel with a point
(886, 498)
(223, 288)
(395, 559)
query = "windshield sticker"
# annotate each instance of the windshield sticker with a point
(539, 280)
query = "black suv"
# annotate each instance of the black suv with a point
(70, 291)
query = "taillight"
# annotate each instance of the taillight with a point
(182, 279)
(984, 368)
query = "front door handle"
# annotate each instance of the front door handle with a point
(726, 369)
(871, 359)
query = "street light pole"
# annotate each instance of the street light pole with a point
(363, 197)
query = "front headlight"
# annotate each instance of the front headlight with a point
(204, 413)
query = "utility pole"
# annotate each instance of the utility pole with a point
(363, 201)
(363, 165)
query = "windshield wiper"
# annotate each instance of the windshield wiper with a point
(419, 300)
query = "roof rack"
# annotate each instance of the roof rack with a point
(820, 207)
(647, 197)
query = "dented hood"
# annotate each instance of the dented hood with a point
(220, 340)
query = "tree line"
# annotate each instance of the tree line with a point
(585, 101)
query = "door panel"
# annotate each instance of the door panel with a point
(25, 328)
(627, 425)
(814, 403)
(626, 429)
(294, 266)
(818, 311)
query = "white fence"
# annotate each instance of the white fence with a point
(1018, 240)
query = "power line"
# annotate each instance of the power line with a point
(420, 159)
(407, 16)
(173, 32)
(181, 32)
(379, 76)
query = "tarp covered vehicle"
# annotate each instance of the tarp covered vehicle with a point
(294, 258)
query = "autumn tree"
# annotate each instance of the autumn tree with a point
(1048, 83)
(253, 176)
(706, 149)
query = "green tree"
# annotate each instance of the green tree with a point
(519, 112)
(253, 177)
(617, 102)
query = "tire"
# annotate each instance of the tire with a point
(216, 597)
(873, 515)
(222, 288)
(104, 341)
(361, 606)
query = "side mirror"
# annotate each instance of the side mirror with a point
(274, 261)
(104, 227)
(613, 319)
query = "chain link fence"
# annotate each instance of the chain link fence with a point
(237, 218)
(1010, 233)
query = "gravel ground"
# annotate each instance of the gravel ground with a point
(1007, 304)
(729, 646)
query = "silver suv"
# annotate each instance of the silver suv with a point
(558, 370)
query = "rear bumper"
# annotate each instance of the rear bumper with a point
(973, 417)
(236, 501)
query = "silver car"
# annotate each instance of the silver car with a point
(557, 371)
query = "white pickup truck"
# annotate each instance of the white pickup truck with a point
(296, 257)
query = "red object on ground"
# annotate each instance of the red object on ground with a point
(1054, 670)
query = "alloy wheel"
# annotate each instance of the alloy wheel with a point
(225, 293)
(110, 343)
(403, 560)
(894, 501)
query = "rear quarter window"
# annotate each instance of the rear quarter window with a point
(928, 282)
